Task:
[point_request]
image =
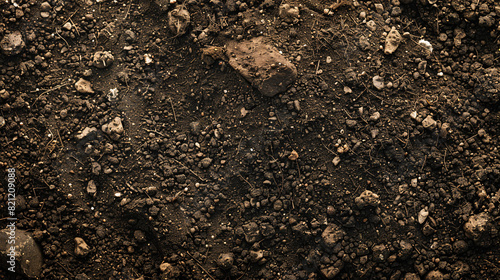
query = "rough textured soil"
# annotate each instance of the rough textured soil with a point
(362, 145)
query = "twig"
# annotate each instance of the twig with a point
(154, 131)
(62, 39)
(49, 90)
(128, 10)
(246, 181)
(76, 27)
(172, 105)
(423, 164)
(194, 173)
(201, 266)
(444, 160)
(65, 269)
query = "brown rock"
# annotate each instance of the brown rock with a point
(262, 65)
(12, 43)
(27, 253)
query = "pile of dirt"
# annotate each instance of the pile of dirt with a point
(253, 139)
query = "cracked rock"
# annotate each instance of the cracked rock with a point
(114, 128)
(28, 255)
(12, 43)
(367, 198)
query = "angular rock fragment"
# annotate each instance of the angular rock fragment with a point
(331, 235)
(288, 13)
(81, 248)
(367, 198)
(103, 59)
(480, 229)
(83, 86)
(392, 41)
(28, 256)
(179, 20)
(12, 43)
(262, 65)
(114, 128)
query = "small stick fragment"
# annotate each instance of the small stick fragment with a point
(201, 266)
(172, 105)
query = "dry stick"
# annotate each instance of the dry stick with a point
(72, 275)
(246, 181)
(173, 110)
(128, 10)
(190, 170)
(444, 160)
(201, 266)
(62, 39)
(76, 27)
(70, 16)
(423, 164)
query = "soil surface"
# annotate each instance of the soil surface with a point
(362, 145)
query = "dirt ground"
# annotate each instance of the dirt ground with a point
(142, 152)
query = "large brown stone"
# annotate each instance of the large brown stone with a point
(262, 65)
(28, 256)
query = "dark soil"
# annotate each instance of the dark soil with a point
(371, 165)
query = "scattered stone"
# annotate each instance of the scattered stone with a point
(443, 132)
(45, 9)
(12, 44)
(434, 275)
(2, 121)
(367, 198)
(91, 188)
(96, 168)
(378, 82)
(103, 59)
(86, 131)
(411, 276)
(114, 128)
(288, 13)
(82, 276)
(380, 253)
(331, 235)
(28, 256)
(336, 161)
(83, 86)
(67, 26)
(225, 261)
(195, 128)
(332, 271)
(179, 20)
(205, 163)
(364, 43)
(351, 123)
(81, 249)
(392, 41)
(379, 8)
(371, 25)
(480, 229)
(256, 256)
(169, 271)
(422, 215)
(429, 123)
(293, 155)
(140, 236)
(252, 232)
(426, 45)
(375, 116)
(262, 65)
